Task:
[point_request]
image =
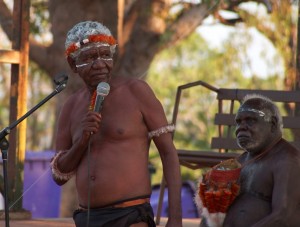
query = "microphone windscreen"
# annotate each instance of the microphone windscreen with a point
(103, 89)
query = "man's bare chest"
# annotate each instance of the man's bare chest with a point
(257, 178)
(117, 121)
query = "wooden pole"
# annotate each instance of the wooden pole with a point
(297, 82)
(120, 27)
(18, 102)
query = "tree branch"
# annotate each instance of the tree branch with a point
(186, 23)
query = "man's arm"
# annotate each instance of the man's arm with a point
(155, 118)
(69, 154)
(286, 196)
(171, 170)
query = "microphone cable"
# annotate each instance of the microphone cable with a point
(89, 183)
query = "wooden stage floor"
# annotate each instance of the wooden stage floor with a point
(68, 222)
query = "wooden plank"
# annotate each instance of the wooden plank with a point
(291, 122)
(231, 144)
(224, 143)
(224, 119)
(204, 158)
(228, 119)
(275, 95)
(201, 162)
(205, 154)
(9, 56)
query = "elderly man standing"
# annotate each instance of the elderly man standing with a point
(108, 149)
(269, 179)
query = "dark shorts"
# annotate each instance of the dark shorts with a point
(115, 217)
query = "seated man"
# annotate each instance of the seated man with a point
(269, 179)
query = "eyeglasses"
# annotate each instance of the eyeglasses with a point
(89, 58)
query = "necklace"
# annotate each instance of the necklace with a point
(93, 100)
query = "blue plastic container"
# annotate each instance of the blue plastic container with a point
(41, 194)
(189, 208)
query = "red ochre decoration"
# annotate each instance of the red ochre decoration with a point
(219, 187)
(93, 100)
(91, 39)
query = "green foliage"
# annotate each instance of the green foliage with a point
(39, 18)
(40, 123)
(280, 27)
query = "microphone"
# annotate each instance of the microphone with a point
(102, 91)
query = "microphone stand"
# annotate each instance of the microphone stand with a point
(61, 82)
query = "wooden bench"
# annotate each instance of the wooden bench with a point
(224, 145)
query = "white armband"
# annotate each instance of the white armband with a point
(56, 172)
(162, 130)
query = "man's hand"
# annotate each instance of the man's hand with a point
(90, 124)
